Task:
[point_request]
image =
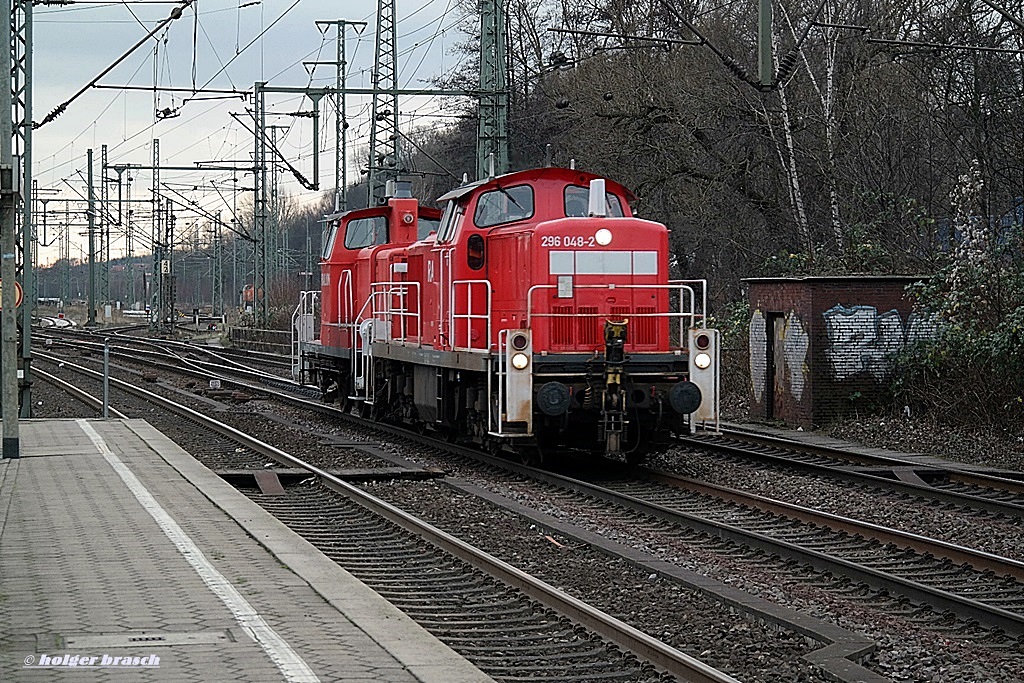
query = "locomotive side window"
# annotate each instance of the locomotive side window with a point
(364, 232)
(447, 228)
(577, 202)
(328, 240)
(475, 252)
(504, 205)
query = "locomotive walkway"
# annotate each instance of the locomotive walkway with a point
(119, 551)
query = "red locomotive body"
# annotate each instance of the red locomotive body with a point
(537, 310)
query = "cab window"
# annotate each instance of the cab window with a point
(475, 252)
(425, 226)
(328, 240)
(577, 202)
(365, 232)
(446, 230)
(503, 206)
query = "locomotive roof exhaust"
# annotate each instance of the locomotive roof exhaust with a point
(598, 202)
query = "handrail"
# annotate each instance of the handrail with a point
(306, 307)
(684, 287)
(387, 312)
(469, 316)
(345, 285)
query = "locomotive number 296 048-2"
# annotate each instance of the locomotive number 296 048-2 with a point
(567, 241)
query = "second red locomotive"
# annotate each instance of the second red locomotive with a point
(535, 311)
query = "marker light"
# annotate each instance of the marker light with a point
(521, 360)
(603, 237)
(701, 360)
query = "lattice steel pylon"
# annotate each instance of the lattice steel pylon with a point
(21, 100)
(261, 311)
(104, 231)
(156, 281)
(384, 163)
(492, 132)
(64, 249)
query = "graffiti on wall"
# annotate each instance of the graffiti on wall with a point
(758, 354)
(794, 342)
(862, 340)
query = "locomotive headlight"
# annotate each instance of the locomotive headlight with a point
(520, 361)
(702, 360)
(603, 237)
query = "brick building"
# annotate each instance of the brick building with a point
(822, 346)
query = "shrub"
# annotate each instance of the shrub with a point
(973, 370)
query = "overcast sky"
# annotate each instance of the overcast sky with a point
(224, 50)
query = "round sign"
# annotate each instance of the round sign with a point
(19, 294)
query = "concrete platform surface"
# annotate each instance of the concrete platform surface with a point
(123, 558)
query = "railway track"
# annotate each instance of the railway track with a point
(948, 578)
(999, 492)
(999, 495)
(466, 587)
(842, 584)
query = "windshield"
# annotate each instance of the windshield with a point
(503, 205)
(577, 202)
(363, 232)
(447, 228)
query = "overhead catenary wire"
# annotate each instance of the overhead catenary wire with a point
(175, 14)
(225, 144)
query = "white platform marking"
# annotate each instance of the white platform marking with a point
(280, 652)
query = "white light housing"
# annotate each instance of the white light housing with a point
(520, 361)
(603, 237)
(702, 360)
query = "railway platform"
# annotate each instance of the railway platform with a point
(123, 558)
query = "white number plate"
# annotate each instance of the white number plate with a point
(567, 241)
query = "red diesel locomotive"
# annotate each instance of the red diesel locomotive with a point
(535, 311)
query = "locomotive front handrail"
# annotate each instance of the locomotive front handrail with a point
(469, 316)
(682, 286)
